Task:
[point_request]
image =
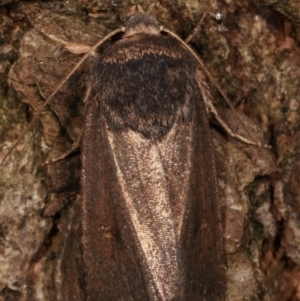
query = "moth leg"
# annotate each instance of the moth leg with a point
(202, 84)
(217, 16)
(73, 47)
(75, 146)
(210, 107)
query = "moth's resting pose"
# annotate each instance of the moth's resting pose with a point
(151, 224)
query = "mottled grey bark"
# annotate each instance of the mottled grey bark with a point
(256, 61)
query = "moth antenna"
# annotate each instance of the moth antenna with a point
(24, 132)
(196, 28)
(212, 79)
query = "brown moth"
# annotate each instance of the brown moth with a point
(150, 217)
(151, 227)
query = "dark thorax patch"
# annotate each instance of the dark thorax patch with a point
(146, 82)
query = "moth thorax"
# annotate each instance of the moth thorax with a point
(141, 23)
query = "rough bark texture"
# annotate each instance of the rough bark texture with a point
(256, 61)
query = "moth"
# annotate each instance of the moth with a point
(151, 227)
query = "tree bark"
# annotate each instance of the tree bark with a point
(253, 53)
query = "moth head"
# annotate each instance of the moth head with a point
(141, 22)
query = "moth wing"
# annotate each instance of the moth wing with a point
(111, 262)
(202, 235)
(151, 216)
(129, 237)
